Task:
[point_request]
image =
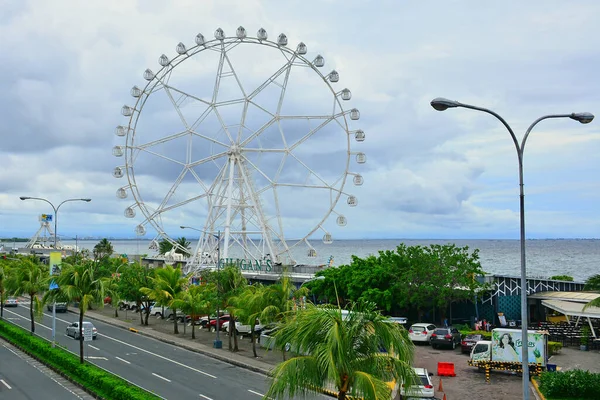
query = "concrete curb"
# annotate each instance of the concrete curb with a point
(537, 389)
(198, 348)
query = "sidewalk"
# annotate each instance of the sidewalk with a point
(163, 330)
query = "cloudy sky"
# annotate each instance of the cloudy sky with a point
(68, 67)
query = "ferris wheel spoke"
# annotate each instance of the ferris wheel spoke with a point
(258, 132)
(173, 188)
(311, 133)
(208, 159)
(257, 169)
(181, 203)
(232, 72)
(223, 125)
(271, 79)
(162, 156)
(310, 171)
(182, 93)
(161, 140)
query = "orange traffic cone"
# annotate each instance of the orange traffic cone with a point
(440, 387)
(444, 396)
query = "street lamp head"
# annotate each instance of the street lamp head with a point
(182, 227)
(584, 117)
(24, 198)
(87, 200)
(442, 104)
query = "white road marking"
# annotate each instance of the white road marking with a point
(95, 348)
(5, 384)
(258, 394)
(161, 377)
(205, 397)
(144, 350)
(120, 359)
(97, 358)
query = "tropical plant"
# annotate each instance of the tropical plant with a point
(3, 276)
(231, 283)
(30, 277)
(167, 283)
(567, 278)
(248, 306)
(195, 301)
(132, 279)
(184, 246)
(343, 350)
(164, 246)
(103, 249)
(77, 283)
(593, 283)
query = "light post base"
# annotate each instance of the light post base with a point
(217, 344)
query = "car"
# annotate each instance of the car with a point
(243, 329)
(11, 302)
(73, 329)
(421, 332)
(60, 307)
(445, 337)
(222, 319)
(466, 345)
(423, 389)
(160, 311)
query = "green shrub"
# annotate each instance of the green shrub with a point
(104, 384)
(554, 347)
(484, 335)
(574, 384)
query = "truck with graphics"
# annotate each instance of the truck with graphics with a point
(505, 350)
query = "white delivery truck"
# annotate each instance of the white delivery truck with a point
(505, 350)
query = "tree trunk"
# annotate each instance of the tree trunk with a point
(81, 311)
(253, 342)
(193, 330)
(116, 311)
(341, 395)
(175, 328)
(146, 315)
(235, 338)
(31, 313)
(141, 318)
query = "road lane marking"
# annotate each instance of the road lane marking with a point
(5, 384)
(146, 351)
(120, 359)
(206, 397)
(161, 377)
(97, 358)
(256, 393)
(95, 348)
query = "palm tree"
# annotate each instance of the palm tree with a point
(3, 275)
(103, 249)
(249, 306)
(164, 246)
(231, 284)
(166, 286)
(78, 283)
(593, 284)
(343, 350)
(195, 302)
(184, 246)
(31, 277)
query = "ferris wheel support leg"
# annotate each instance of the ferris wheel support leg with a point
(228, 215)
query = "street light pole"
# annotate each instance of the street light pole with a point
(55, 248)
(442, 104)
(217, 343)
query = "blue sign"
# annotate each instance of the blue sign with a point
(53, 285)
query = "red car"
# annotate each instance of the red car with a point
(222, 319)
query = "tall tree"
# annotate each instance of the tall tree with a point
(103, 249)
(31, 277)
(78, 283)
(344, 350)
(131, 280)
(195, 301)
(593, 283)
(248, 306)
(184, 246)
(167, 283)
(164, 246)
(231, 283)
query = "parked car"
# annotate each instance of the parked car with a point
(242, 329)
(421, 332)
(222, 320)
(160, 311)
(445, 337)
(423, 389)
(60, 307)
(466, 345)
(11, 302)
(73, 329)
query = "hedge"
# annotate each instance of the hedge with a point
(574, 384)
(102, 383)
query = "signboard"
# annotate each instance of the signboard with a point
(46, 217)
(55, 262)
(87, 333)
(248, 265)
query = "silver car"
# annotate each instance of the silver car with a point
(73, 330)
(11, 302)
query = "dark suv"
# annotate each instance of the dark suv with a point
(449, 337)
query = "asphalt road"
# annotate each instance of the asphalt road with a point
(17, 375)
(169, 371)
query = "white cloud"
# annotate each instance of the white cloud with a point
(68, 68)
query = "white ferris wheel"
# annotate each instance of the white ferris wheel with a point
(245, 139)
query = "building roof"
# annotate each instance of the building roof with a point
(577, 297)
(571, 308)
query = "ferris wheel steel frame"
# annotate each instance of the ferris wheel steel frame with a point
(233, 182)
